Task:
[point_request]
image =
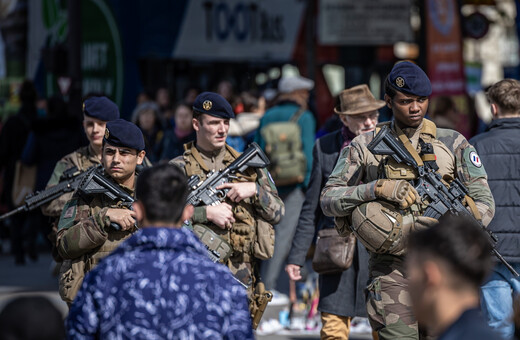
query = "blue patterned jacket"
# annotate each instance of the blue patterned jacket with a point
(160, 284)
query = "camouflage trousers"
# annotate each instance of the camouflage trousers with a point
(388, 301)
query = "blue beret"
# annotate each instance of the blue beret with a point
(213, 104)
(100, 108)
(122, 133)
(409, 78)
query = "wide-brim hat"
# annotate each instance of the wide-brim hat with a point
(356, 100)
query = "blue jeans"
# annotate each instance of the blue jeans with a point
(496, 299)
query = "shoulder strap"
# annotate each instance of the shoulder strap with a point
(296, 116)
(406, 142)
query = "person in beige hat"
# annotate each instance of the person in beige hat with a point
(341, 294)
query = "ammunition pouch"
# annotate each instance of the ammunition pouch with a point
(263, 247)
(380, 228)
(214, 242)
(70, 278)
(394, 170)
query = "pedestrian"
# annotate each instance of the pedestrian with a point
(291, 106)
(182, 133)
(499, 151)
(244, 219)
(341, 294)
(148, 118)
(446, 265)
(160, 283)
(373, 195)
(85, 231)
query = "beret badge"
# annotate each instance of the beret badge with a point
(107, 133)
(207, 105)
(83, 106)
(399, 81)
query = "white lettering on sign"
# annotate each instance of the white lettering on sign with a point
(94, 56)
(240, 29)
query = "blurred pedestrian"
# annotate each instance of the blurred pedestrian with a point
(147, 116)
(12, 141)
(292, 105)
(499, 151)
(31, 318)
(182, 133)
(242, 128)
(341, 293)
(160, 283)
(445, 112)
(446, 265)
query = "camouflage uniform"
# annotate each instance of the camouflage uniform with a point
(265, 205)
(84, 238)
(388, 301)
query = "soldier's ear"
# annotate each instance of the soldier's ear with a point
(388, 101)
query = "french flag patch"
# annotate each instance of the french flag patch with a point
(475, 159)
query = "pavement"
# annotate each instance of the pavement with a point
(35, 278)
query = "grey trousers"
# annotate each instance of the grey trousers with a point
(284, 233)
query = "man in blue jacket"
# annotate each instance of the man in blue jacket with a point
(499, 151)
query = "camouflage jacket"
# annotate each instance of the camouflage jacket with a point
(84, 229)
(352, 181)
(83, 158)
(266, 203)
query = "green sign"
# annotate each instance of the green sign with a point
(102, 52)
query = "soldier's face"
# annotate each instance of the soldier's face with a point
(120, 162)
(94, 129)
(211, 132)
(360, 123)
(408, 110)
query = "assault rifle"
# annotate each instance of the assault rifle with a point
(206, 192)
(430, 186)
(94, 182)
(69, 182)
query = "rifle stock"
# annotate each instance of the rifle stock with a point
(431, 188)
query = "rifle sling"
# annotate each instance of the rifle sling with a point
(406, 142)
(473, 207)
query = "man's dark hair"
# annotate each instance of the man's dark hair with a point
(460, 243)
(162, 189)
(31, 318)
(389, 90)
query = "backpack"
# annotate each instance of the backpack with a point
(283, 147)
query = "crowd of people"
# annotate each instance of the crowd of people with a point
(414, 271)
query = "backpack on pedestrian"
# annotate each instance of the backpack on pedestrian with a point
(284, 148)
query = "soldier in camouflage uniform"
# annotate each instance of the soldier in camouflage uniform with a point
(252, 203)
(96, 112)
(85, 234)
(368, 190)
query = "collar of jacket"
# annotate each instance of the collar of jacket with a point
(504, 123)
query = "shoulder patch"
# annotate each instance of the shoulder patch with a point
(473, 163)
(68, 215)
(475, 159)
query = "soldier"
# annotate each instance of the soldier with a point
(85, 234)
(252, 202)
(97, 111)
(372, 195)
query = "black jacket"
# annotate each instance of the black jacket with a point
(499, 150)
(340, 294)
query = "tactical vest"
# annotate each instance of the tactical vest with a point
(242, 235)
(381, 226)
(73, 271)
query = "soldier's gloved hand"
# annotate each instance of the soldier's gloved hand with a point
(125, 218)
(396, 190)
(423, 222)
(221, 215)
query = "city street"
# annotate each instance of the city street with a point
(35, 278)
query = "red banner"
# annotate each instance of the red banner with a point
(444, 47)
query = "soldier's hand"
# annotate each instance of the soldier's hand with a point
(294, 272)
(239, 191)
(398, 191)
(124, 217)
(221, 215)
(423, 222)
